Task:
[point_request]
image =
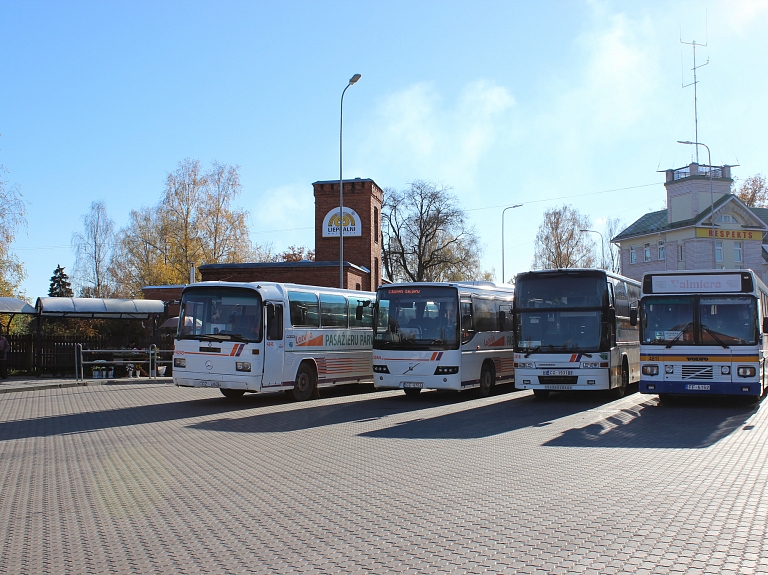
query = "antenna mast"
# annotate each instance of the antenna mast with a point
(695, 95)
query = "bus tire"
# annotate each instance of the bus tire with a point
(541, 393)
(618, 392)
(305, 384)
(487, 379)
(232, 393)
(412, 391)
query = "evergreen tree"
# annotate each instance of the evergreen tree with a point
(60, 285)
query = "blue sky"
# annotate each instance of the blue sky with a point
(541, 103)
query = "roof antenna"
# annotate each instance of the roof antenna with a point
(695, 95)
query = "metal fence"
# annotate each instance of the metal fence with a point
(57, 354)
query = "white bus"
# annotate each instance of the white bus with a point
(702, 333)
(449, 336)
(573, 331)
(264, 337)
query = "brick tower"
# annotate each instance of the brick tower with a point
(362, 227)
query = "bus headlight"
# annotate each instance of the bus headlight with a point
(746, 371)
(446, 370)
(380, 369)
(590, 365)
(179, 362)
(650, 369)
(243, 366)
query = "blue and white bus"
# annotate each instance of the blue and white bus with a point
(703, 333)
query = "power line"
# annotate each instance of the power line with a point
(571, 196)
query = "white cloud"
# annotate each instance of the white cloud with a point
(741, 16)
(417, 136)
(284, 216)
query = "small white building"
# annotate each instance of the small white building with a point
(681, 236)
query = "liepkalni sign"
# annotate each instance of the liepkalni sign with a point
(352, 223)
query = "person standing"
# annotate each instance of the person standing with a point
(5, 347)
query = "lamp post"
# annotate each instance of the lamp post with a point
(352, 80)
(711, 197)
(502, 239)
(602, 243)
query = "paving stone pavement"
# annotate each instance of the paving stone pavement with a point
(149, 478)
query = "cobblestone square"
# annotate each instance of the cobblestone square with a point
(149, 478)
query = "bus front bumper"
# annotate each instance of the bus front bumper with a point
(701, 388)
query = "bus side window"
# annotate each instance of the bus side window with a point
(305, 311)
(275, 322)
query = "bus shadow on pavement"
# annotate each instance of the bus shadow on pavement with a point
(309, 415)
(690, 423)
(521, 411)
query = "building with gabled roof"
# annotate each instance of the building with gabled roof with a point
(704, 226)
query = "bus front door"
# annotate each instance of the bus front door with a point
(274, 349)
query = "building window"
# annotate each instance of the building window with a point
(727, 219)
(719, 251)
(737, 252)
(661, 249)
(376, 224)
(375, 274)
(632, 255)
(646, 252)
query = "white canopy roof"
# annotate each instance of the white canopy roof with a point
(99, 308)
(11, 305)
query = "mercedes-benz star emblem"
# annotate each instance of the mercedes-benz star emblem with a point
(208, 364)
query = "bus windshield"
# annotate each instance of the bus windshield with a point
(551, 330)
(416, 318)
(699, 320)
(219, 314)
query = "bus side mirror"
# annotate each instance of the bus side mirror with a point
(359, 312)
(765, 325)
(633, 317)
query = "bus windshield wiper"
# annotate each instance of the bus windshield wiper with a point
(679, 335)
(712, 333)
(532, 350)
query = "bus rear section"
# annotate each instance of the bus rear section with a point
(702, 333)
(443, 336)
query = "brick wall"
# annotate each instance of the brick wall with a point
(317, 275)
(365, 198)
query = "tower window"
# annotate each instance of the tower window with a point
(375, 224)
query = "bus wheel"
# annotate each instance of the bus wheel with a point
(305, 384)
(412, 391)
(541, 393)
(618, 392)
(486, 381)
(232, 393)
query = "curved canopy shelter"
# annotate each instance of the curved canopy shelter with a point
(12, 306)
(98, 308)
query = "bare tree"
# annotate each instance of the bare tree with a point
(13, 211)
(613, 227)
(93, 253)
(560, 243)
(754, 192)
(426, 237)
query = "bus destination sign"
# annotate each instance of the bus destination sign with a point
(710, 283)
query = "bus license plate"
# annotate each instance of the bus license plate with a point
(415, 384)
(558, 372)
(208, 383)
(697, 387)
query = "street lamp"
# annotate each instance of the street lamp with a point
(352, 80)
(502, 239)
(711, 197)
(602, 243)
